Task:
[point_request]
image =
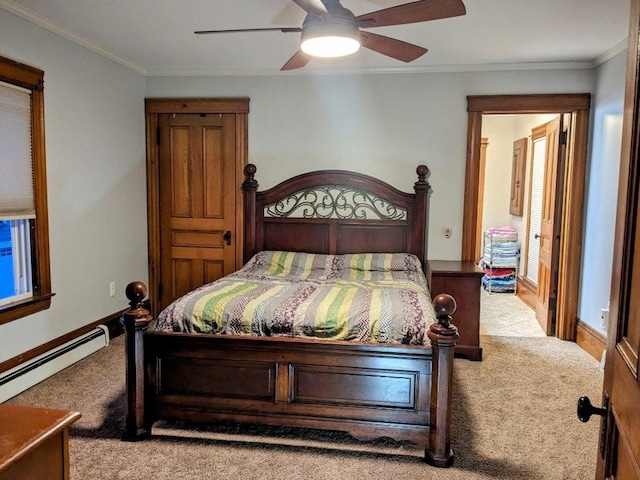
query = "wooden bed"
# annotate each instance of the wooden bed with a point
(369, 390)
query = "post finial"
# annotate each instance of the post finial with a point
(135, 292)
(250, 182)
(444, 306)
(422, 183)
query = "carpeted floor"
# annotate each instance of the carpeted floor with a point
(513, 418)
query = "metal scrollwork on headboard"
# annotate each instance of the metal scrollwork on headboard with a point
(335, 201)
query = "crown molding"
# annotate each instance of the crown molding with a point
(490, 67)
(612, 52)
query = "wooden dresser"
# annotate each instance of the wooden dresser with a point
(463, 281)
(34, 443)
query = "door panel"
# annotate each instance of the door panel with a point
(620, 456)
(197, 200)
(546, 290)
(518, 173)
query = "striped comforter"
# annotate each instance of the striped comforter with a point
(368, 297)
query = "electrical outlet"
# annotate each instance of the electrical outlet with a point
(604, 317)
(112, 289)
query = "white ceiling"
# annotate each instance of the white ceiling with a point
(155, 37)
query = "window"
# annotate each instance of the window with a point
(25, 282)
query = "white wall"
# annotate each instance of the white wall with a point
(499, 130)
(94, 122)
(382, 125)
(601, 190)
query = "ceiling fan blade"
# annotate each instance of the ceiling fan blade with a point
(391, 47)
(299, 60)
(313, 6)
(414, 12)
(241, 30)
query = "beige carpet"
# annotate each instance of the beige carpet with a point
(514, 418)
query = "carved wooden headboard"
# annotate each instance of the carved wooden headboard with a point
(335, 211)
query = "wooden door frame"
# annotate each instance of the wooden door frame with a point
(570, 247)
(157, 106)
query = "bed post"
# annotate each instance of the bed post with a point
(443, 336)
(136, 320)
(249, 187)
(419, 224)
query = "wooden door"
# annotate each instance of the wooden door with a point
(547, 269)
(196, 153)
(619, 456)
(197, 200)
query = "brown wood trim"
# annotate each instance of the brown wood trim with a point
(41, 264)
(111, 321)
(570, 251)
(242, 159)
(543, 103)
(197, 105)
(526, 291)
(572, 202)
(13, 311)
(17, 73)
(471, 225)
(484, 143)
(153, 210)
(32, 78)
(590, 340)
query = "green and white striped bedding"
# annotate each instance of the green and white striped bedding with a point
(367, 297)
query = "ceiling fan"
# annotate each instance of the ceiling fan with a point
(330, 30)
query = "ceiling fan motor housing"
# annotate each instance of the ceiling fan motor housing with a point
(340, 23)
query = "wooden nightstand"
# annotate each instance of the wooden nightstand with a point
(34, 443)
(463, 281)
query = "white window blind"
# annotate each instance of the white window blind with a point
(535, 209)
(16, 165)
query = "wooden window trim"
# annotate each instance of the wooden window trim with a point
(31, 78)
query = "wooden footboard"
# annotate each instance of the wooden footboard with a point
(370, 391)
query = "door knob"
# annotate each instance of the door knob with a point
(227, 237)
(585, 409)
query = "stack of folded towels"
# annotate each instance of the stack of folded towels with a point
(500, 259)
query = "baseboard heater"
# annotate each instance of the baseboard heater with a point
(32, 372)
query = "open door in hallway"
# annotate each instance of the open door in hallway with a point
(546, 294)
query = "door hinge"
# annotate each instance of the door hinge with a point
(160, 292)
(158, 136)
(563, 137)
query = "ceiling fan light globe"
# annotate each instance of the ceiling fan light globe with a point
(330, 46)
(336, 36)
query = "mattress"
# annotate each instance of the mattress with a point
(366, 297)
